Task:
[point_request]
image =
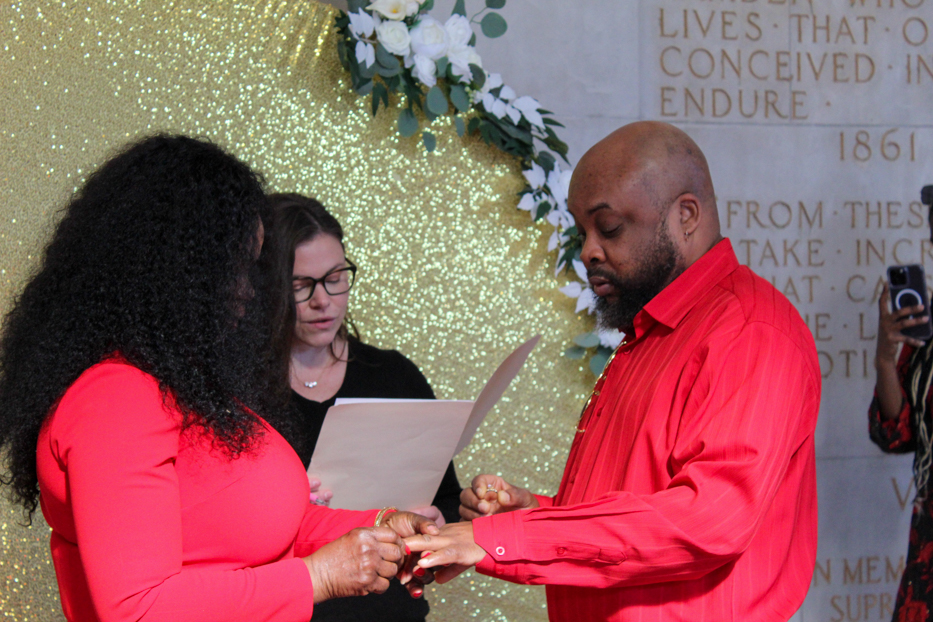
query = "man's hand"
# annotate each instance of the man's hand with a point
(450, 553)
(490, 494)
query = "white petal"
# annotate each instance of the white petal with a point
(492, 81)
(498, 108)
(572, 289)
(534, 175)
(366, 53)
(553, 242)
(611, 338)
(527, 202)
(489, 101)
(362, 23)
(553, 217)
(513, 113)
(586, 300)
(580, 269)
(507, 93)
(526, 104)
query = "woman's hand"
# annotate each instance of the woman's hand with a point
(319, 496)
(891, 325)
(451, 552)
(408, 524)
(890, 338)
(490, 494)
(431, 512)
(358, 563)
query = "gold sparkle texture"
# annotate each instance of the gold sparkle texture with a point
(451, 273)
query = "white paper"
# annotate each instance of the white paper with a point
(374, 453)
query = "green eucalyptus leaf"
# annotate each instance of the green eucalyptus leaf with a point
(426, 6)
(575, 352)
(430, 116)
(386, 58)
(546, 161)
(367, 72)
(429, 140)
(598, 361)
(459, 8)
(495, 4)
(392, 84)
(479, 76)
(407, 123)
(437, 101)
(365, 88)
(587, 340)
(543, 208)
(473, 125)
(387, 73)
(354, 6)
(461, 126)
(459, 97)
(442, 64)
(493, 25)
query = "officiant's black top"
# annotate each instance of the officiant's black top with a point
(372, 372)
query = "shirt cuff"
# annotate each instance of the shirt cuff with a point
(502, 537)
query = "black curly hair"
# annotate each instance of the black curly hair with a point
(154, 260)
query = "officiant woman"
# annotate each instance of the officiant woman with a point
(329, 361)
(133, 396)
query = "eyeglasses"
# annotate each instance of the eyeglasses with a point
(335, 282)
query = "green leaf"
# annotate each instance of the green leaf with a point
(459, 8)
(474, 124)
(367, 72)
(430, 116)
(587, 340)
(458, 96)
(461, 126)
(549, 121)
(392, 84)
(354, 6)
(386, 58)
(543, 208)
(472, 42)
(599, 360)
(426, 6)
(546, 161)
(479, 76)
(493, 25)
(365, 88)
(495, 4)
(575, 352)
(387, 73)
(442, 64)
(380, 94)
(430, 142)
(407, 123)
(437, 101)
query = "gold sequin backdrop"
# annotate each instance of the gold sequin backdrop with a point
(451, 273)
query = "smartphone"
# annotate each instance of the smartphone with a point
(908, 286)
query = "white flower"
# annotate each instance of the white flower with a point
(535, 176)
(573, 289)
(394, 37)
(529, 107)
(586, 300)
(611, 338)
(395, 9)
(458, 30)
(362, 24)
(507, 93)
(461, 57)
(365, 53)
(424, 69)
(428, 38)
(527, 202)
(580, 269)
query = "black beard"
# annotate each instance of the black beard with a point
(654, 272)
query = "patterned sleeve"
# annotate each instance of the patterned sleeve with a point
(894, 435)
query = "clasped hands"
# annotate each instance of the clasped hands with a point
(453, 549)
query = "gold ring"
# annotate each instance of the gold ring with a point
(491, 489)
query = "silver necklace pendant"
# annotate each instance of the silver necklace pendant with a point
(311, 385)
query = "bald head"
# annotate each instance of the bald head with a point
(667, 165)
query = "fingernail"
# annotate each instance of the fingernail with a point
(418, 571)
(417, 593)
(407, 550)
(425, 554)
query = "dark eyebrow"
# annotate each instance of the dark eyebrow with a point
(339, 266)
(596, 208)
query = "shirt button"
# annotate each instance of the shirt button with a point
(500, 550)
(561, 551)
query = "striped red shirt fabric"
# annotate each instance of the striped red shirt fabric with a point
(690, 489)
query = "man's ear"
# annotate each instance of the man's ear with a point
(687, 209)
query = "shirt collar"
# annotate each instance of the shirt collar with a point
(673, 303)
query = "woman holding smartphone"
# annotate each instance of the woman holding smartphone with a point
(900, 422)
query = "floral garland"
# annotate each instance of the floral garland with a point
(394, 46)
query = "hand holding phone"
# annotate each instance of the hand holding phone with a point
(909, 303)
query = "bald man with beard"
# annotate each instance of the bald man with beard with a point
(690, 488)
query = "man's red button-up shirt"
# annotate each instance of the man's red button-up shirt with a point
(690, 489)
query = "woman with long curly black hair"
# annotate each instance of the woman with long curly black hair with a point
(132, 395)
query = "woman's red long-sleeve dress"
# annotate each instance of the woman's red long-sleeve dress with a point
(150, 523)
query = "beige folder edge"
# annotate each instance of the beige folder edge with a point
(374, 453)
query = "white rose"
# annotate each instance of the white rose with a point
(394, 37)
(458, 30)
(392, 9)
(461, 57)
(425, 70)
(429, 39)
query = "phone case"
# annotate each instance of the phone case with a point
(911, 293)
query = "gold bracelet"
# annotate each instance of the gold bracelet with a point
(382, 514)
